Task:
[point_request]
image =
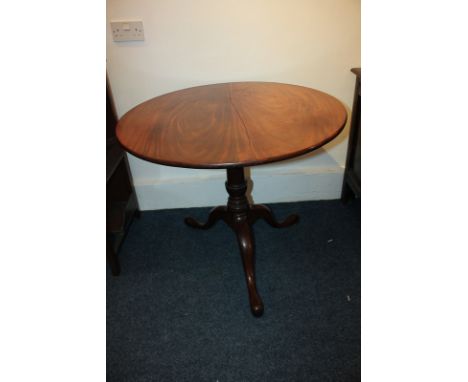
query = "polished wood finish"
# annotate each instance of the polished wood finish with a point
(230, 125)
(352, 175)
(240, 216)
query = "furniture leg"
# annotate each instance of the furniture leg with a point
(264, 212)
(238, 219)
(246, 245)
(216, 214)
(346, 192)
(240, 216)
(112, 259)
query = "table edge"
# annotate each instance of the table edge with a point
(239, 164)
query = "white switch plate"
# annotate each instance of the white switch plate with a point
(127, 31)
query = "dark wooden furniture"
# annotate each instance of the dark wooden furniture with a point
(352, 174)
(121, 202)
(231, 126)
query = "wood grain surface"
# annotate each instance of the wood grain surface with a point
(231, 125)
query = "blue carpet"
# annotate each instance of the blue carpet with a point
(179, 310)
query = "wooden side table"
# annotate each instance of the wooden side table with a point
(231, 126)
(352, 174)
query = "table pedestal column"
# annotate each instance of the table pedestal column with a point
(240, 216)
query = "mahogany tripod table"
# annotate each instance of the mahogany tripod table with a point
(231, 126)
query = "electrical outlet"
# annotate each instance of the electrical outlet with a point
(127, 30)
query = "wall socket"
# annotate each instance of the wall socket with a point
(127, 31)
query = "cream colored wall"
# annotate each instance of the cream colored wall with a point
(307, 42)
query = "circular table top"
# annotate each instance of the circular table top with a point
(231, 125)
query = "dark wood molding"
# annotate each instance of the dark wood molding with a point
(121, 201)
(352, 174)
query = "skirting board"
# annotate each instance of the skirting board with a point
(269, 186)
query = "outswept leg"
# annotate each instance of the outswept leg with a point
(240, 216)
(258, 211)
(246, 246)
(216, 214)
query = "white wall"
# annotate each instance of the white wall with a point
(307, 42)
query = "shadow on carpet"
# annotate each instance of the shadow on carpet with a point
(179, 311)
